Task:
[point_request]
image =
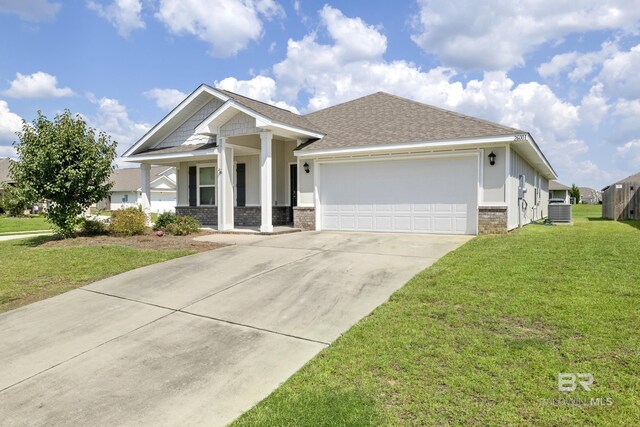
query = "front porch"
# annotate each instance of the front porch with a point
(244, 216)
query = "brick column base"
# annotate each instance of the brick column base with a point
(304, 218)
(492, 220)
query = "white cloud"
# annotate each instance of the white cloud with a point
(333, 73)
(594, 106)
(124, 15)
(36, 85)
(112, 117)
(260, 87)
(10, 123)
(558, 64)
(32, 10)
(166, 99)
(497, 34)
(577, 65)
(227, 25)
(630, 153)
(620, 74)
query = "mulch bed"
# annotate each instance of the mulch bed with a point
(145, 241)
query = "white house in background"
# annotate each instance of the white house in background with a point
(559, 191)
(377, 163)
(126, 191)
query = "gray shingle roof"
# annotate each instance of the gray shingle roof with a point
(185, 148)
(128, 179)
(382, 118)
(275, 113)
(555, 185)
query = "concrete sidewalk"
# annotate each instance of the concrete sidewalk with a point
(198, 340)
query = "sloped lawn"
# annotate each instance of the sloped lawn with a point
(41, 267)
(28, 223)
(480, 337)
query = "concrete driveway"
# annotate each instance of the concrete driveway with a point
(198, 340)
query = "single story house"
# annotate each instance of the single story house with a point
(621, 200)
(589, 196)
(126, 191)
(559, 191)
(5, 175)
(376, 163)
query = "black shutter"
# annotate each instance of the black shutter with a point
(241, 186)
(193, 186)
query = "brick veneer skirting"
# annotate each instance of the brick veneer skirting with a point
(492, 219)
(304, 218)
(242, 215)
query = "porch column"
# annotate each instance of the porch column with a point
(225, 186)
(145, 187)
(265, 182)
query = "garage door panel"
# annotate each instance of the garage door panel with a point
(422, 224)
(421, 195)
(402, 223)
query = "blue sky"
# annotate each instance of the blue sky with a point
(566, 71)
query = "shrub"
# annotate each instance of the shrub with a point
(13, 201)
(164, 219)
(183, 225)
(128, 222)
(92, 227)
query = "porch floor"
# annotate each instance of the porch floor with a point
(277, 229)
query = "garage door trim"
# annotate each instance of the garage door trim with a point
(317, 165)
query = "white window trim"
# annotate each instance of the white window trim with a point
(215, 182)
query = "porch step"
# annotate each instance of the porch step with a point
(252, 230)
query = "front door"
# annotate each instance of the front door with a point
(293, 188)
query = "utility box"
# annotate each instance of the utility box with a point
(560, 213)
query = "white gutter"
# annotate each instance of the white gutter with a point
(445, 143)
(169, 156)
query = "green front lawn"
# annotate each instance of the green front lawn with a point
(480, 337)
(28, 223)
(31, 271)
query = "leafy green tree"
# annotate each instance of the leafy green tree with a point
(64, 163)
(575, 193)
(13, 200)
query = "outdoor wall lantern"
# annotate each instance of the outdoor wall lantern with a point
(306, 167)
(492, 158)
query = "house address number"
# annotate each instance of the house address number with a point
(521, 137)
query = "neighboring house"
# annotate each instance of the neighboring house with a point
(377, 163)
(621, 200)
(5, 175)
(126, 191)
(589, 196)
(559, 191)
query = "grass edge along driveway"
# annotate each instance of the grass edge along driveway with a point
(31, 272)
(480, 337)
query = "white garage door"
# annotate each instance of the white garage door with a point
(436, 195)
(163, 201)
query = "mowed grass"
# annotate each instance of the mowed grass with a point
(28, 223)
(480, 337)
(30, 272)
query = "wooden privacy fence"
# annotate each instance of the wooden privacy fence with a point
(621, 201)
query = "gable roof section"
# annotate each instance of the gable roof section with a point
(635, 178)
(198, 98)
(381, 118)
(189, 106)
(128, 179)
(555, 185)
(272, 112)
